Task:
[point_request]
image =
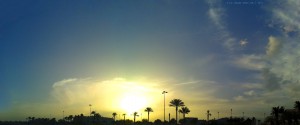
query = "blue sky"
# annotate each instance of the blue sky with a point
(214, 54)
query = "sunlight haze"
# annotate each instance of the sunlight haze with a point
(60, 56)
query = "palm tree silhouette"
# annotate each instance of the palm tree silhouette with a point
(70, 118)
(276, 111)
(184, 110)
(297, 106)
(176, 103)
(93, 113)
(148, 109)
(124, 117)
(208, 114)
(114, 115)
(135, 114)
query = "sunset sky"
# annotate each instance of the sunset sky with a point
(119, 55)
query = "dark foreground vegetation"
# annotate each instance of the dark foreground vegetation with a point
(278, 116)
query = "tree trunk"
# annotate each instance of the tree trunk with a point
(148, 116)
(176, 114)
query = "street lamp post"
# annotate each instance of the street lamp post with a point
(90, 113)
(230, 113)
(164, 92)
(90, 109)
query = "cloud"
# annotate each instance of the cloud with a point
(250, 93)
(271, 80)
(63, 82)
(289, 29)
(250, 62)
(252, 86)
(274, 46)
(239, 98)
(109, 93)
(217, 13)
(287, 15)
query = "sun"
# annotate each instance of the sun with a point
(133, 102)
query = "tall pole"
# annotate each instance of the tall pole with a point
(90, 109)
(169, 117)
(230, 113)
(63, 115)
(218, 115)
(164, 92)
(90, 113)
(243, 114)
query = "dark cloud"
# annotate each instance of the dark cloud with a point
(271, 80)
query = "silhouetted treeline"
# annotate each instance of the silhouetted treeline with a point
(279, 116)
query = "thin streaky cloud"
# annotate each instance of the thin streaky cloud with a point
(216, 13)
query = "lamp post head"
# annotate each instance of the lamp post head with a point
(164, 92)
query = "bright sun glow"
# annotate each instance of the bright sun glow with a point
(133, 103)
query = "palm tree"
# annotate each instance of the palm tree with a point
(276, 111)
(297, 105)
(114, 115)
(176, 103)
(124, 117)
(70, 118)
(148, 109)
(97, 116)
(208, 114)
(30, 119)
(93, 113)
(135, 114)
(184, 110)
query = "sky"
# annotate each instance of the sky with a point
(61, 55)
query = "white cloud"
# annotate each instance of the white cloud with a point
(239, 98)
(63, 82)
(274, 46)
(250, 93)
(280, 65)
(252, 86)
(217, 13)
(250, 62)
(287, 14)
(289, 28)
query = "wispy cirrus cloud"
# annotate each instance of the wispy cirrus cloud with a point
(287, 15)
(217, 14)
(63, 82)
